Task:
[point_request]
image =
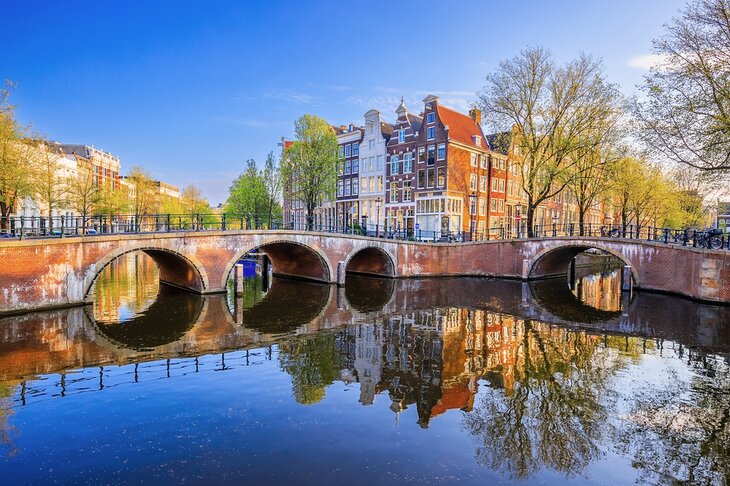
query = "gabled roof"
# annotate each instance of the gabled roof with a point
(415, 122)
(462, 128)
(500, 142)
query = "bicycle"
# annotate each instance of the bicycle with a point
(711, 239)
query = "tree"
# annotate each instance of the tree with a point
(310, 164)
(561, 113)
(193, 200)
(83, 195)
(247, 195)
(50, 184)
(145, 197)
(273, 184)
(593, 175)
(15, 159)
(641, 193)
(685, 116)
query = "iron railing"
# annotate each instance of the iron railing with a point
(100, 225)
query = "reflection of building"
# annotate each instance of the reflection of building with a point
(125, 287)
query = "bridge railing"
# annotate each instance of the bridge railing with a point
(21, 227)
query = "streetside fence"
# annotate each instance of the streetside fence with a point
(100, 225)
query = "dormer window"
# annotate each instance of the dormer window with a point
(477, 140)
(431, 118)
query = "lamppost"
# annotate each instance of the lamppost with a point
(365, 223)
(378, 201)
(472, 210)
(555, 222)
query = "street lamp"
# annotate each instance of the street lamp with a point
(555, 222)
(365, 223)
(378, 201)
(472, 211)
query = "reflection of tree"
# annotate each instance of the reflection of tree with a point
(6, 410)
(313, 363)
(547, 404)
(679, 433)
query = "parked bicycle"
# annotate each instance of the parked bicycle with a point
(711, 239)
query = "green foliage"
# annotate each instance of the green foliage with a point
(253, 195)
(313, 364)
(310, 164)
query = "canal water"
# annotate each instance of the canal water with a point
(380, 382)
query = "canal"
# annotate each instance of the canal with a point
(431, 381)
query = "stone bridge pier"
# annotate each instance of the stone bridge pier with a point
(46, 273)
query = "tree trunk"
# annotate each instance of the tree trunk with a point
(530, 220)
(581, 219)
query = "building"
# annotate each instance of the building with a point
(723, 215)
(104, 166)
(373, 155)
(400, 178)
(451, 156)
(348, 175)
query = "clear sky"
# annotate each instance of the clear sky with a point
(190, 90)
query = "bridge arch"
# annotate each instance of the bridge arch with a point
(370, 260)
(555, 260)
(176, 269)
(289, 258)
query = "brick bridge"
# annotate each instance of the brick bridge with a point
(47, 273)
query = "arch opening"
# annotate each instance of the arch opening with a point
(135, 310)
(172, 268)
(371, 261)
(594, 276)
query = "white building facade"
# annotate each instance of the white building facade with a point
(373, 156)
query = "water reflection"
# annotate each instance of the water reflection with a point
(520, 381)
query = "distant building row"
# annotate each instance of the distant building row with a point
(436, 172)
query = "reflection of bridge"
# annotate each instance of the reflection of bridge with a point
(59, 272)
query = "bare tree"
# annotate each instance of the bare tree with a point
(561, 112)
(686, 114)
(50, 184)
(83, 194)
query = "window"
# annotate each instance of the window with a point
(348, 150)
(483, 184)
(394, 164)
(472, 182)
(347, 166)
(431, 117)
(342, 151)
(493, 204)
(421, 155)
(407, 191)
(482, 206)
(347, 187)
(380, 163)
(407, 163)
(355, 166)
(473, 160)
(421, 179)
(402, 135)
(429, 178)
(340, 168)
(355, 187)
(472, 205)
(393, 192)
(477, 140)
(364, 184)
(355, 149)
(431, 154)
(441, 177)
(380, 183)
(495, 185)
(371, 144)
(372, 184)
(501, 185)
(339, 188)
(483, 161)
(441, 151)
(431, 133)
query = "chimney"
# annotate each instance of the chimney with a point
(476, 115)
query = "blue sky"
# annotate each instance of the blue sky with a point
(190, 90)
